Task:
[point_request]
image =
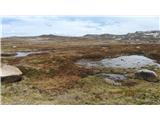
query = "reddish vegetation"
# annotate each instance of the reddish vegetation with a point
(56, 71)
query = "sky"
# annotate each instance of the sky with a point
(76, 25)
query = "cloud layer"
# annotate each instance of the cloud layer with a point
(76, 25)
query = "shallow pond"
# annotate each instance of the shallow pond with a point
(131, 61)
(23, 54)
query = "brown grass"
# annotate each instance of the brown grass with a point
(55, 73)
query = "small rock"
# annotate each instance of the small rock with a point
(138, 47)
(10, 74)
(147, 75)
(116, 77)
(113, 79)
(112, 82)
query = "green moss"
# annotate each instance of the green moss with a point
(93, 90)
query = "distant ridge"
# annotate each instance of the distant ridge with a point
(136, 36)
(139, 35)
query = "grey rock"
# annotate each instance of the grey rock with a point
(113, 79)
(116, 77)
(10, 74)
(147, 75)
(112, 82)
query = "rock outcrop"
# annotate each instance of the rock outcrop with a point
(147, 75)
(10, 74)
(113, 79)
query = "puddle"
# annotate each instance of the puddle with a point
(131, 61)
(23, 54)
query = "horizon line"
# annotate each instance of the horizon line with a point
(73, 35)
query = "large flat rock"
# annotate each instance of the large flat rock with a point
(10, 73)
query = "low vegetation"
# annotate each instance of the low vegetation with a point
(54, 78)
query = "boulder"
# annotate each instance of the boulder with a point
(10, 74)
(113, 79)
(116, 77)
(147, 75)
(112, 82)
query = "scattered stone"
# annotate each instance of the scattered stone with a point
(138, 47)
(147, 75)
(112, 82)
(10, 74)
(113, 79)
(116, 77)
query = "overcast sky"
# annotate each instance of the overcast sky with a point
(75, 25)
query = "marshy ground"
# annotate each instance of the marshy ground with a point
(53, 77)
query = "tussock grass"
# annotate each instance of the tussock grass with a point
(54, 78)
